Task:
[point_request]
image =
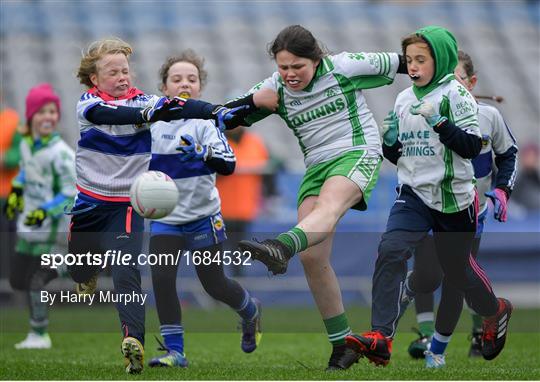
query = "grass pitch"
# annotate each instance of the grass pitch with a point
(293, 347)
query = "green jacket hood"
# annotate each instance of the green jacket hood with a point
(444, 48)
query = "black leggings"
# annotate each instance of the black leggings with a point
(408, 225)
(212, 278)
(26, 273)
(427, 276)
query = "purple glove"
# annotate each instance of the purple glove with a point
(500, 203)
(191, 150)
(222, 114)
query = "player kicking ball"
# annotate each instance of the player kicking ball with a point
(321, 99)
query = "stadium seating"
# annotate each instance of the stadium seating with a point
(40, 43)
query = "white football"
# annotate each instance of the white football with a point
(153, 195)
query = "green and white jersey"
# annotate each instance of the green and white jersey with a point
(48, 171)
(442, 179)
(330, 116)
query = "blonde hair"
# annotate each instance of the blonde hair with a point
(96, 51)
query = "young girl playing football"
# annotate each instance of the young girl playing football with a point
(192, 152)
(44, 186)
(432, 134)
(497, 143)
(114, 121)
(321, 100)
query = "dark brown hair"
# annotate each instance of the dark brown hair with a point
(468, 65)
(413, 39)
(299, 41)
(187, 55)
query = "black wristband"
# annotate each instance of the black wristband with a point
(402, 67)
(247, 100)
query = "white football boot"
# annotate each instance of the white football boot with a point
(35, 341)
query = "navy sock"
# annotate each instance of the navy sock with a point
(173, 335)
(439, 343)
(248, 310)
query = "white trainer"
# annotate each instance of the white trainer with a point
(434, 361)
(35, 341)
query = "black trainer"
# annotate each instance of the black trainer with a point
(495, 330)
(372, 345)
(342, 358)
(272, 253)
(419, 346)
(476, 345)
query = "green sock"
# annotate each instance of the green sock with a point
(38, 313)
(337, 328)
(427, 328)
(41, 330)
(295, 240)
(476, 323)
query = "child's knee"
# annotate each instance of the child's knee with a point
(18, 281)
(391, 249)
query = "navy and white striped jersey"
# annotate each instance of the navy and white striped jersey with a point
(497, 140)
(196, 180)
(109, 157)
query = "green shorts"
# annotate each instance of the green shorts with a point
(359, 166)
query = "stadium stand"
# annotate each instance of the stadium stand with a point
(40, 43)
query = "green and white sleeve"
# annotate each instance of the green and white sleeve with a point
(367, 70)
(464, 110)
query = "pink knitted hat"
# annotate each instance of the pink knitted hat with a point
(38, 96)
